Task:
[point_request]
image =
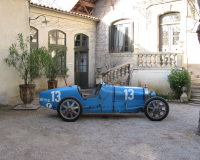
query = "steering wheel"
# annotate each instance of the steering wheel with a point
(98, 87)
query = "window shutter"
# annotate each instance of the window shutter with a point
(132, 37)
(110, 39)
(111, 32)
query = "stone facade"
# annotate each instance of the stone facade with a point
(146, 39)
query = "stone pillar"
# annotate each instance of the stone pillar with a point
(180, 57)
(179, 60)
(99, 77)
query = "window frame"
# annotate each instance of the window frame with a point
(168, 25)
(58, 46)
(81, 41)
(34, 44)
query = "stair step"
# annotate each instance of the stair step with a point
(195, 85)
(195, 97)
(196, 100)
(195, 94)
(195, 91)
(195, 82)
(195, 79)
(194, 76)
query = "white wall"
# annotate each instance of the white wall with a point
(155, 79)
(14, 17)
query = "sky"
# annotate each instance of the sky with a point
(61, 4)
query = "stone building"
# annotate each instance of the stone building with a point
(153, 36)
(142, 37)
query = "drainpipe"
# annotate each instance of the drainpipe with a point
(186, 37)
(95, 54)
(198, 129)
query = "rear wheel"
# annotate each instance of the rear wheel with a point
(156, 109)
(70, 109)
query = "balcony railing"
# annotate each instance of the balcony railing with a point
(159, 59)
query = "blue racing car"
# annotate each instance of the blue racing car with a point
(70, 103)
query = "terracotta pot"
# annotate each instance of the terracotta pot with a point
(27, 94)
(52, 84)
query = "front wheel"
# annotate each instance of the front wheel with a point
(70, 109)
(156, 109)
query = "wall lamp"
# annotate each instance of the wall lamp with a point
(45, 21)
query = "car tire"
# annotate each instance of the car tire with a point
(70, 109)
(154, 107)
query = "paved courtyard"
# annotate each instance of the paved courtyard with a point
(41, 134)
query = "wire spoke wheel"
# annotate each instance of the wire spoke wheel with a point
(156, 109)
(69, 109)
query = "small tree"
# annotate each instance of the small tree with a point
(53, 65)
(27, 63)
(177, 79)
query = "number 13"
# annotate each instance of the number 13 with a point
(131, 97)
(58, 94)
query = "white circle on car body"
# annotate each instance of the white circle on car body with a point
(49, 105)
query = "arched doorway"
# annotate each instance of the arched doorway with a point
(169, 31)
(81, 60)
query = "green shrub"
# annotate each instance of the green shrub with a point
(177, 79)
(166, 96)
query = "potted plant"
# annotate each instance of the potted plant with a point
(28, 63)
(55, 66)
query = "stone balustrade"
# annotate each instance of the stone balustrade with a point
(116, 72)
(160, 59)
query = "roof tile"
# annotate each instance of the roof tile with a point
(70, 13)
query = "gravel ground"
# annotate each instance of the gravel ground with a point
(42, 134)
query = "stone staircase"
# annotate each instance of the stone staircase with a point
(195, 89)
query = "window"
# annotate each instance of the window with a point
(33, 38)
(57, 43)
(81, 40)
(121, 36)
(169, 31)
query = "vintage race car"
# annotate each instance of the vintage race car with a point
(70, 103)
